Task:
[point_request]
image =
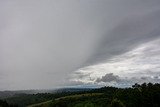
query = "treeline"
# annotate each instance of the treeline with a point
(144, 95)
(5, 104)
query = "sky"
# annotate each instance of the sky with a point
(46, 44)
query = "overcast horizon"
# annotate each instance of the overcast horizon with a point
(46, 44)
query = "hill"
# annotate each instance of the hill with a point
(144, 95)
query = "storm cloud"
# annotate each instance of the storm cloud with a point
(57, 43)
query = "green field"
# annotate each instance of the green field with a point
(78, 96)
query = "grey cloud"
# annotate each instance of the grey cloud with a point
(108, 78)
(146, 79)
(130, 33)
(75, 83)
(126, 82)
(143, 78)
(43, 42)
(81, 75)
(156, 77)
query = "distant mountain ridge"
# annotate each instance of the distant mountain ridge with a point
(7, 94)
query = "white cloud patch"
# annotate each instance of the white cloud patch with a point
(141, 64)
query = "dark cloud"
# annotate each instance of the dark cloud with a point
(156, 77)
(128, 34)
(144, 78)
(109, 78)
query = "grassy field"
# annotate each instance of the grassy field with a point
(40, 104)
(45, 104)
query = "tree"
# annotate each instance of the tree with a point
(136, 85)
(116, 103)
